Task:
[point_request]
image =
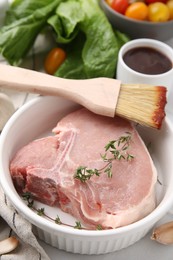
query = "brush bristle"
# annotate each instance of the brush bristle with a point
(143, 104)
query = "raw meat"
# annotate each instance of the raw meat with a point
(46, 168)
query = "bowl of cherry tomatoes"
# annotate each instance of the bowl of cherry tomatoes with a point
(141, 18)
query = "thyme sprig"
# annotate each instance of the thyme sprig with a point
(27, 196)
(118, 150)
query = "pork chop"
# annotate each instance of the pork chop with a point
(46, 168)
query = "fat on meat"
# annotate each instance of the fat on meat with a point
(46, 167)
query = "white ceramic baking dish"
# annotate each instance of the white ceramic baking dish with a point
(36, 119)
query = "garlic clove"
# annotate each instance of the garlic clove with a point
(8, 245)
(163, 233)
(6, 109)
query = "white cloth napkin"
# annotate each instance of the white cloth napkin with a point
(12, 224)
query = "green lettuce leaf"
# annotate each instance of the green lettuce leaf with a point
(18, 37)
(66, 20)
(99, 51)
(73, 66)
(23, 8)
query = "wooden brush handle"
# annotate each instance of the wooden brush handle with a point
(99, 95)
(36, 82)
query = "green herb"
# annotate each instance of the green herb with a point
(58, 221)
(83, 174)
(27, 196)
(99, 227)
(78, 225)
(118, 150)
(40, 212)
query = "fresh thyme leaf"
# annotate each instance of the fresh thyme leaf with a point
(108, 170)
(40, 212)
(78, 225)
(58, 221)
(99, 227)
(130, 157)
(103, 156)
(28, 197)
(83, 174)
(117, 148)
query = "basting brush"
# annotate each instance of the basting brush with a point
(143, 104)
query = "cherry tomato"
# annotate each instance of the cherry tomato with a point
(158, 12)
(120, 5)
(154, 1)
(53, 60)
(137, 10)
(170, 7)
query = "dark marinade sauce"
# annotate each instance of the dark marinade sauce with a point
(147, 60)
